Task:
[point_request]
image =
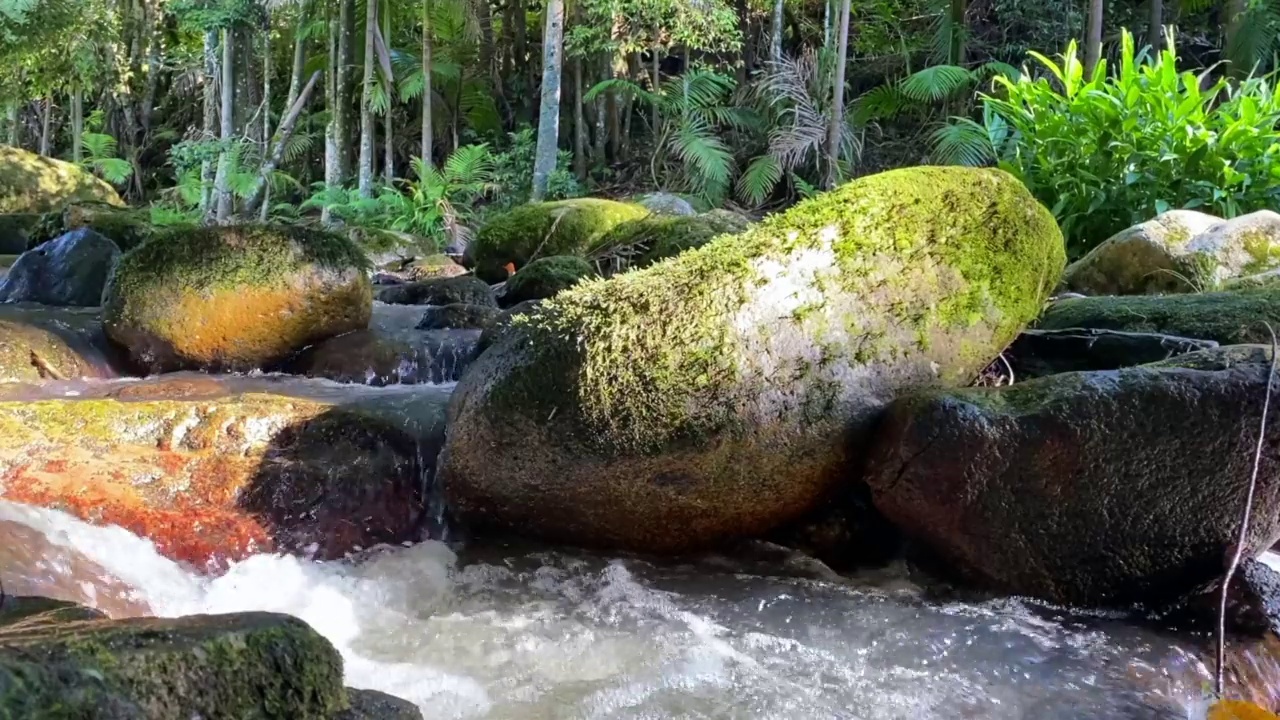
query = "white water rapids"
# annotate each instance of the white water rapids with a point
(533, 635)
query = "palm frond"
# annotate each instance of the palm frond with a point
(963, 142)
(936, 83)
(759, 179)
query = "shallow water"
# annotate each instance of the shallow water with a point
(532, 634)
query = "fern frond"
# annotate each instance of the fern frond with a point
(936, 83)
(759, 179)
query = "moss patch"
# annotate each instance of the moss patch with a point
(641, 243)
(30, 183)
(127, 228)
(432, 267)
(1228, 317)
(564, 227)
(545, 277)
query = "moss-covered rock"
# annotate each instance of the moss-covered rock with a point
(30, 183)
(432, 267)
(126, 227)
(546, 277)
(466, 289)
(660, 203)
(1114, 487)
(69, 270)
(255, 666)
(30, 352)
(502, 323)
(458, 316)
(723, 392)
(212, 474)
(1227, 317)
(235, 298)
(564, 227)
(641, 243)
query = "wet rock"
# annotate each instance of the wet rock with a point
(444, 291)
(564, 227)
(291, 466)
(727, 391)
(1038, 353)
(1229, 317)
(71, 270)
(39, 342)
(432, 267)
(1253, 601)
(1152, 258)
(641, 243)
(667, 204)
(126, 227)
(502, 323)
(1094, 488)
(374, 705)
(235, 298)
(545, 277)
(30, 183)
(15, 232)
(402, 357)
(234, 666)
(458, 316)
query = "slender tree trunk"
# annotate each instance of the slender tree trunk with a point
(580, 139)
(222, 184)
(46, 118)
(152, 13)
(836, 128)
(1093, 41)
(77, 123)
(210, 119)
(827, 29)
(428, 157)
(366, 98)
(13, 124)
(603, 101)
(523, 60)
(958, 31)
(266, 90)
(299, 57)
(388, 134)
(332, 152)
(775, 33)
(628, 104)
(657, 84)
(1235, 12)
(346, 61)
(1155, 26)
(549, 117)
(284, 132)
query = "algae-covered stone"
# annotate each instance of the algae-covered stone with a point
(502, 323)
(723, 392)
(563, 227)
(70, 270)
(1112, 487)
(432, 267)
(546, 277)
(641, 243)
(247, 665)
(458, 316)
(235, 298)
(1228, 317)
(442, 291)
(30, 183)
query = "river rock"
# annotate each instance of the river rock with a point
(502, 323)
(126, 227)
(545, 277)
(1037, 353)
(641, 243)
(30, 183)
(563, 227)
(213, 470)
(667, 204)
(43, 344)
(378, 358)
(443, 291)
(235, 298)
(246, 665)
(723, 392)
(374, 705)
(458, 316)
(432, 267)
(1228, 317)
(71, 270)
(1092, 488)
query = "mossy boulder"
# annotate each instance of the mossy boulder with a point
(380, 357)
(432, 267)
(458, 316)
(212, 470)
(563, 227)
(1092, 488)
(126, 227)
(545, 277)
(30, 183)
(1180, 251)
(235, 298)
(1228, 317)
(466, 289)
(246, 665)
(641, 243)
(70, 270)
(666, 204)
(502, 323)
(724, 392)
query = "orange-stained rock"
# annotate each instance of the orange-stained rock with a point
(212, 479)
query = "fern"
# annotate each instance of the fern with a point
(937, 83)
(99, 156)
(759, 179)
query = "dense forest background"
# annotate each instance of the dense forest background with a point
(420, 117)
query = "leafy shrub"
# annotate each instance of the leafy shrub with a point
(514, 172)
(1129, 144)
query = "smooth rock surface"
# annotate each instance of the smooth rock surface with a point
(70, 270)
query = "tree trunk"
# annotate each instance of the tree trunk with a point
(657, 84)
(13, 124)
(580, 139)
(544, 161)
(266, 90)
(602, 115)
(428, 157)
(388, 135)
(151, 13)
(520, 21)
(284, 132)
(210, 119)
(77, 124)
(299, 58)
(1155, 26)
(1093, 41)
(628, 104)
(827, 29)
(346, 60)
(366, 97)
(45, 122)
(958, 31)
(332, 151)
(1235, 13)
(222, 185)
(835, 129)
(775, 36)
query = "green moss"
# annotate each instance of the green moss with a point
(1228, 317)
(433, 266)
(546, 277)
(641, 243)
(30, 183)
(564, 227)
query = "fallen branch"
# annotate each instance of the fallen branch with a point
(283, 133)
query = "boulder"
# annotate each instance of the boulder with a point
(1228, 317)
(374, 705)
(1037, 353)
(389, 357)
(246, 665)
(458, 316)
(213, 470)
(723, 392)
(667, 204)
(126, 227)
(444, 291)
(545, 277)
(30, 183)
(432, 267)
(563, 227)
(641, 243)
(1178, 252)
(1092, 488)
(502, 323)
(15, 232)
(235, 298)
(32, 352)
(71, 270)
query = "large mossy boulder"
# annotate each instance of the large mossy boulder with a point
(1179, 251)
(1106, 488)
(563, 227)
(1228, 317)
(641, 243)
(723, 392)
(70, 270)
(30, 183)
(235, 298)
(546, 277)
(442, 291)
